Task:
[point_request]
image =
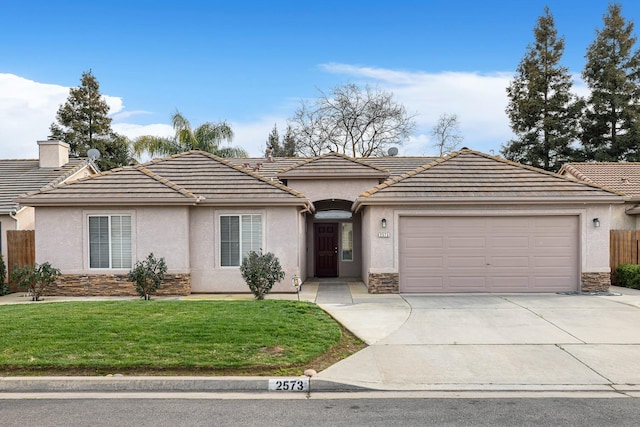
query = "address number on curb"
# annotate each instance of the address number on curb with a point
(289, 384)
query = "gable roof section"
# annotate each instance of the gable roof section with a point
(469, 176)
(333, 166)
(189, 178)
(618, 176)
(20, 176)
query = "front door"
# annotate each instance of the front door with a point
(326, 249)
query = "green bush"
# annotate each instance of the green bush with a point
(4, 287)
(628, 275)
(148, 275)
(36, 278)
(261, 272)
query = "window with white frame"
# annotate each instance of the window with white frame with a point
(110, 241)
(239, 234)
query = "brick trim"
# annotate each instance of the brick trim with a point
(595, 282)
(384, 283)
(114, 285)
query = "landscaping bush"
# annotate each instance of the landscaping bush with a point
(261, 272)
(628, 275)
(148, 275)
(4, 287)
(36, 278)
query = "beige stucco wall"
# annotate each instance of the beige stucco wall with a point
(327, 189)
(62, 237)
(382, 253)
(280, 235)
(6, 223)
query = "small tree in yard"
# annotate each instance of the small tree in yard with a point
(4, 288)
(261, 272)
(148, 275)
(36, 278)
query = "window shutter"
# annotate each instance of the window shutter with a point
(99, 242)
(251, 233)
(229, 241)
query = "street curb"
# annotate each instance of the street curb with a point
(155, 384)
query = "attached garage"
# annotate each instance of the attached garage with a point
(489, 254)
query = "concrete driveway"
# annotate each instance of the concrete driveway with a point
(537, 342)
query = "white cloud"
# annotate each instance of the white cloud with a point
(253, 136)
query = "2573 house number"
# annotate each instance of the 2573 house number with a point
(293, 384)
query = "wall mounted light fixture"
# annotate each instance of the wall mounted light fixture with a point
(384, 223)
(596, 222)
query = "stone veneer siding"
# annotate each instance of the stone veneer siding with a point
(384, 283)
(114, 285)
(596, 282)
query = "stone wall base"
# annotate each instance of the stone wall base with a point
(596, 282)
(384, 283)
(114, 285)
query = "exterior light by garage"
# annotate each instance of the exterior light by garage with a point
(596, 222)
(384, 223)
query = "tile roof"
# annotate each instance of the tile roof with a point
(472, 176)
(187, 178)
(19, 176)
(394, 165)
(333, 166)
(618, 176)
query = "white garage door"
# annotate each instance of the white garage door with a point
(489, 254)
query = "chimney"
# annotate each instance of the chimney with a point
(53, 153)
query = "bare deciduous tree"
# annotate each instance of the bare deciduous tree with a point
(352, 121)
(446, 134)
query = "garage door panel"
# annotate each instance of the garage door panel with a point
(478, 283)
(489, 254)
(509, 242)
(464, 242)
(509, 262)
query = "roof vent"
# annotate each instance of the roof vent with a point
(625, 180)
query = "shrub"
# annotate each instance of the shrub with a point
(628, 275)
(148, 275)
(4, 287)
(261, 272)
(36, 278)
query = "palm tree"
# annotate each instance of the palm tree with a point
(206, 137)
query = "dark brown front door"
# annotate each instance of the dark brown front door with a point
(326, 245)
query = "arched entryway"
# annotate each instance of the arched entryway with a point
(333, 240)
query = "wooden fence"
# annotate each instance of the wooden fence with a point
(623, 249)
(21, 250)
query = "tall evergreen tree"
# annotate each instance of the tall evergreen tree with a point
(612, 72)
(83, 118)
(289, 148)
(83, 123)
(273, 141)
(544, 113)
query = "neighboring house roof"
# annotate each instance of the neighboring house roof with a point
(470, 176)
(20, 176)
(194, 177)
(269, 168)
(333, 166)
(621, 177)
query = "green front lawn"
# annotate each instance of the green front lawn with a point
(172, 337)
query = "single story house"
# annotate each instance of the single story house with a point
(467, 222)
(622, 177)
(20, 176)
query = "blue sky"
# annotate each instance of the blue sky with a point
(251, 62)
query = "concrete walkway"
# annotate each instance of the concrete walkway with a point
(467, 342)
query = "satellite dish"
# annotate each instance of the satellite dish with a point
(393, 151)
(93, 154)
